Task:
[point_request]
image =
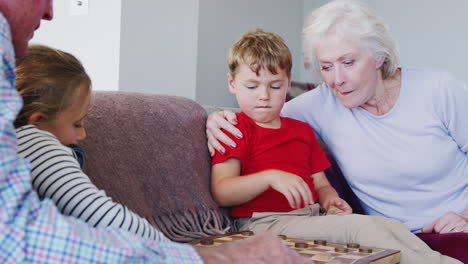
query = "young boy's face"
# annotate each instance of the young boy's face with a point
(260, 97)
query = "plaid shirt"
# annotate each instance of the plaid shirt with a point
(33, 231)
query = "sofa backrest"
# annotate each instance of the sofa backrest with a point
(149, 153)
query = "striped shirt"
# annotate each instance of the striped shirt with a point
(34, 231)
(56, 174)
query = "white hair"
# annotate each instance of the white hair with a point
(354, 20)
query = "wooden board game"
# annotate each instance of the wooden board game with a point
(320, 251)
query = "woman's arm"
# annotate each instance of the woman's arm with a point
(222, 119)
(56, 174)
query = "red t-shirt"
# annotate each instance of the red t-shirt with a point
(292, 148)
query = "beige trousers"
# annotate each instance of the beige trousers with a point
(367, 230)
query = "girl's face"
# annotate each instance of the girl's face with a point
(349, 70)
(68, 126)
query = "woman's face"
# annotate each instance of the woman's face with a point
(350, 71)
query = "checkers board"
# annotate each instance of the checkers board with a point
(320, 251)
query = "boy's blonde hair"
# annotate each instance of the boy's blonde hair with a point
(260, 50)
(48, 80)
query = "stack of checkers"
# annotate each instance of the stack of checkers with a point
(320, 251)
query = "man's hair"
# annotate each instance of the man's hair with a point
(355, 21)
(260, 50)
(48, 80)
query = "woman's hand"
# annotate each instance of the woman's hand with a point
(217, 120)
(293, 187)
(449, 222)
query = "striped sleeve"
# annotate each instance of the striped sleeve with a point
(56, 175)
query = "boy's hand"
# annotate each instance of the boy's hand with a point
(293, 187)
(340, 206)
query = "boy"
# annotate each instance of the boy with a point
(278, 166)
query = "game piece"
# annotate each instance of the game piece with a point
(321, 251)
(352, 245)
(333, 210)
(247, 233)
(365, 250)
(301, 245)
(207, 241)
(320, 242)
(341, 250)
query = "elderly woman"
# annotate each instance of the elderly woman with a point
(399, 135)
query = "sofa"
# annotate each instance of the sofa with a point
(149, 153)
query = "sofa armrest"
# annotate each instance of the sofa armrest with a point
(149, 153)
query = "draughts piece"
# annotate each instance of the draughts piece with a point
(320, 242)
(207, 241)
(283, 237)
(301, 245)
(352, 245)
(341, 250)
(333, 210)
(365, 250)
(247, 233)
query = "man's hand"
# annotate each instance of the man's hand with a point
(217, 120)
(449, 222)
(264, 247)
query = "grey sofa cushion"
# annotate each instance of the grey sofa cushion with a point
(149, 153)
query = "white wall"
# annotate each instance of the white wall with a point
(429, 33)
(222, 22)
(179, 47)
(159, 46)
(94, 38)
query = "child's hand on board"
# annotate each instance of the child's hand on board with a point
(338, 206)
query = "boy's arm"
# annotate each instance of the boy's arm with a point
(328, 195)
(229, 188)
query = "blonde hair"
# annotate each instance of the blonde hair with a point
(354, 20)
(260, 50)
(48, 79)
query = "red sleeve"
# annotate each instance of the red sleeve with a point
(239, 151)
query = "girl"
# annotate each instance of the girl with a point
(56, 91)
